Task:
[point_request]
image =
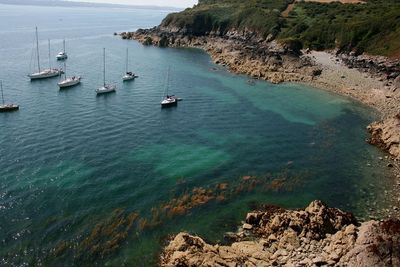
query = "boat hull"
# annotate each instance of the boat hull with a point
(169, 102)
(45, 74)
(69, 83)
(106, 89)
(61, 56)
(128, 78)
(8, 108)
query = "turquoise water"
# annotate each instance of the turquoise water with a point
(88, 180)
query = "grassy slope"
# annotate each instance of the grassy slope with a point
(262, 16)
(373, 27)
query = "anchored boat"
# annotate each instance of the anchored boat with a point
(168, 100)
(62, 55)
(128, 74)
(47, 73)
(6, 107)
(106, 88)
(68, 81)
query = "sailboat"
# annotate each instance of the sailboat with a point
(68, 81)
(47, 73)
(128, 74)
(106, 88)
(62, 55)
(6, 107)
(168, 100)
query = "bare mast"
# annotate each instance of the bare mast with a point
(2, 96)
(104, 67)
(37, 49)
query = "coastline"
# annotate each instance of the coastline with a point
(366, 79)
(370, 84)
(314, 236)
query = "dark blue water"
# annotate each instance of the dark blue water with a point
(88, 180)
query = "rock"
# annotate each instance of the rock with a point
(253, 218)
(318, 261)
(396, 82)
(247, 226)
(333, 256)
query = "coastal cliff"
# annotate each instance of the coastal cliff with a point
(315, 236)
(271, 41)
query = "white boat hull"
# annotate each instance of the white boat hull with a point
(61, 56)
(45, 74)
(128, 77)
(106, 89)
(69, 82)
(169, 101)
(8, 107)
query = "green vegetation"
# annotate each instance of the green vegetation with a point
(373, 27)
(261, 16)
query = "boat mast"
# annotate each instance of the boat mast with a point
(49, 56)
(126, 68)
(64, 45)
(2, 96)
(104, 69)
(37, 48)
(168, 79)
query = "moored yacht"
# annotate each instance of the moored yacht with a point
(128, 74)
(62, 55)
(6, 107)
(68, 81)
(47, 73)
(106, 88)
(168, 100)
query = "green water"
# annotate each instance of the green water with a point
(88, 180)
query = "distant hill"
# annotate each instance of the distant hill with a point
(81, 4)
(372, 26)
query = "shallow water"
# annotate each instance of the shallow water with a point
(86, 179)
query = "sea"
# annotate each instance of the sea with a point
(107, 180)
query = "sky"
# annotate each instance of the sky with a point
(174, 3)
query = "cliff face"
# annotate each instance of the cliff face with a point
(315, 236)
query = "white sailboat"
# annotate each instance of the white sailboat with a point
(47, 73)
(6, 107)
(128, 74)
(68, 81)
(106, 88)
(62, 55)
(168, 100)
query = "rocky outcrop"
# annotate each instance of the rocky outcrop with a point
(315, 236)
(386, 135)
(379, 66)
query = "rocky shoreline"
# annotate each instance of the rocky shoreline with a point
(372, 80)
(277, 237)
(315, 236)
